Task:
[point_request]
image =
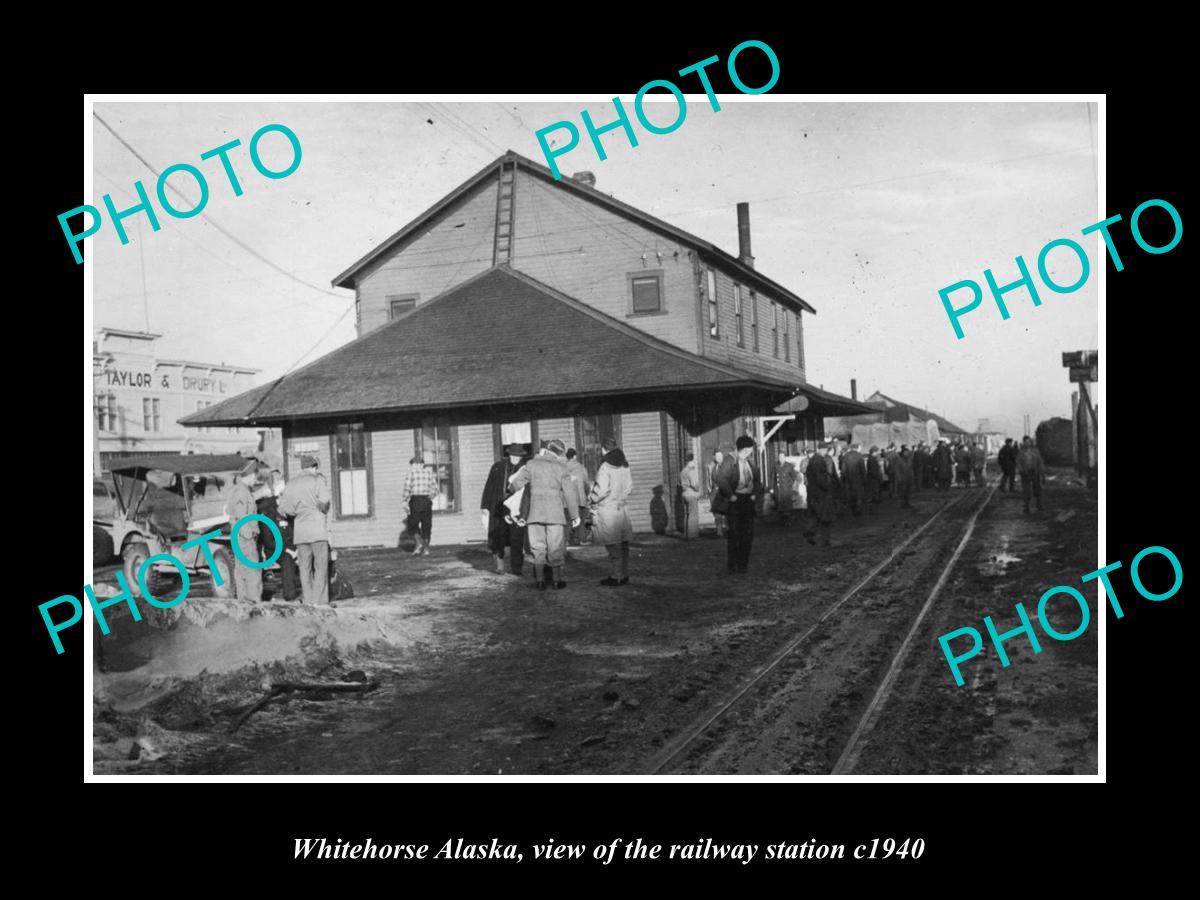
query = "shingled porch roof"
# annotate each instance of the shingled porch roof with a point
(499, 338)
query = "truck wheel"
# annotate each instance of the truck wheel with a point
(134, 555)
(223, 563)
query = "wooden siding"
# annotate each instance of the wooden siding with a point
(563, 429)
(641, 439)
(587, 252)
(726, 348)
(457, 247)
(390, 452)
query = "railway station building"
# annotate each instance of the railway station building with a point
(521, 309)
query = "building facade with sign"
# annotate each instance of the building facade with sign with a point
(522, 309)
(139, 400)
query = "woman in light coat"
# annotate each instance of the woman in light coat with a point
(610, 523)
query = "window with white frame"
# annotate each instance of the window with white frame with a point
(351, 470)
(714, 313)
(438, 443)
(737, 315)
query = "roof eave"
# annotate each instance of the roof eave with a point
(281, 418)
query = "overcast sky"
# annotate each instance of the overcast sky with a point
(865, 210)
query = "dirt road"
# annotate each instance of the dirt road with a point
(480, 673)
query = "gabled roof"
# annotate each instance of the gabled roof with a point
(500, 337)
(897, 411)
(715, 254)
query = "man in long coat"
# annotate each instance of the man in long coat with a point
(502, 534)
(854, 477)
(551, 500)
(919, 457)
(1007, 458)
(821, 504)
(943, 465)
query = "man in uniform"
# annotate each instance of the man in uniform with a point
(821, 505)
(307, 498)
(247, 579)
(550, 494)
(741, 483)
(500, 533)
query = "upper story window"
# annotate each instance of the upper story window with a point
(352, 470)
(754, 319)
(150, 415)
(800, 340)
(737, 315)
(399, 304)
(775, 328)
(714, 314)
(645, 292)
(106, 412)
(787, 337)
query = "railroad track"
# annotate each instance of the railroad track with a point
(676, 750)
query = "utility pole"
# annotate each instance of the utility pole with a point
(1084, 369)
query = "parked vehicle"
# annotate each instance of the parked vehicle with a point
(165, 501)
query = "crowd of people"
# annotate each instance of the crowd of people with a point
(820, 482)
(533, 508)
(299, 508)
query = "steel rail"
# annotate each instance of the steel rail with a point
(678, 744)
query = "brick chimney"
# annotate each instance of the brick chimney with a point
(585, 178)
(853, 388)
(743, 216)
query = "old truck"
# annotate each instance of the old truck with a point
(163, 502)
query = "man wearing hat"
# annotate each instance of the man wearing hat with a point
(740, 482)
(552, 499)
(821, 485)
(943, 464)
(247, 579)
(420, 487)
(307, 498)
(500, 533)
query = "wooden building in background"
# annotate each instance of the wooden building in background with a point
(520, 308)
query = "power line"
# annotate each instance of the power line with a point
(851, 187)
(211, 221)
(279, 380)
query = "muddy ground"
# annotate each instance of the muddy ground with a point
(479, 673)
